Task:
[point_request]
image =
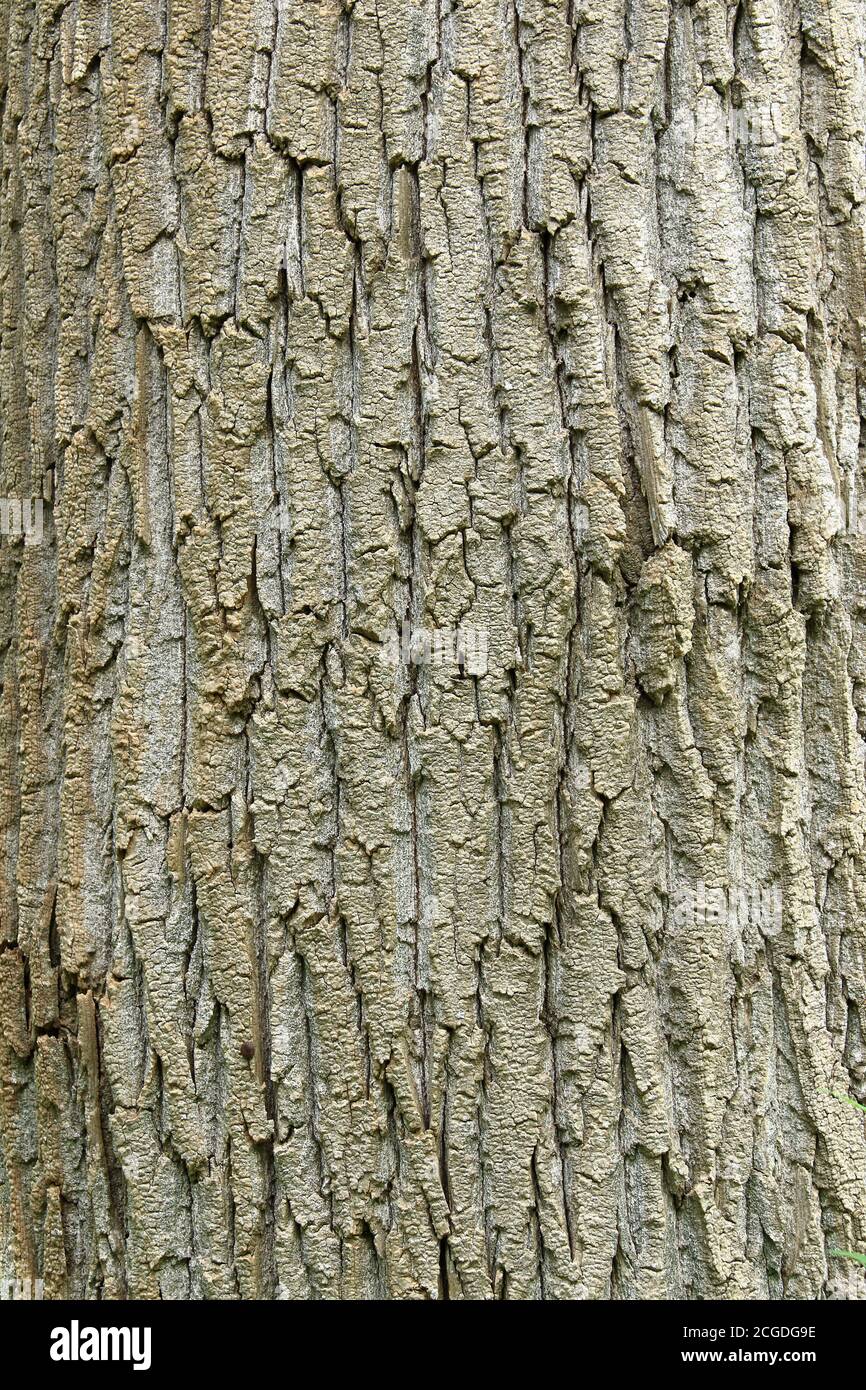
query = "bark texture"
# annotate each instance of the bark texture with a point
(327, 973)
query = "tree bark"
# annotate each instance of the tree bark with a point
(432, 806)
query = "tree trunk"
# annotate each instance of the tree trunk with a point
(432, 807)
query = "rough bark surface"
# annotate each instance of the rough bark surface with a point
(331, 974)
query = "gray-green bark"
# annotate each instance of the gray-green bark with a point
(432, 804)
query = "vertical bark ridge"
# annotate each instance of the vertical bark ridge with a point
(449, 419)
